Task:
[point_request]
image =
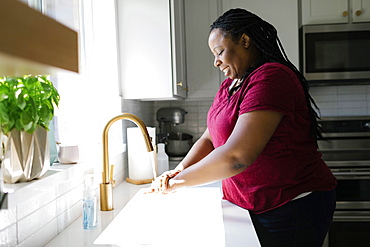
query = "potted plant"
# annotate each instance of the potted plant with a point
(26, 109)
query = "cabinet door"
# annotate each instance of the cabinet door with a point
(283, 14)
(178, 48)
(146, 65)
(325, 11)
(203, 78)
(361, 10)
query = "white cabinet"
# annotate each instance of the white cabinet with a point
(335, 11)
(361, 10)
(203, 78)
(283, 14)
(151, 49)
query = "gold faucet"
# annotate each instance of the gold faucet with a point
(106, 187)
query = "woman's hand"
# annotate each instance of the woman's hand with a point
(162, 183)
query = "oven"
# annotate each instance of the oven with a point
(346, 151)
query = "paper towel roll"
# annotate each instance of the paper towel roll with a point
(139, 159)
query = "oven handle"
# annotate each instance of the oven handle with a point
(351, 218)
(351, 174)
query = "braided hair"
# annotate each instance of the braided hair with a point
(235, 22)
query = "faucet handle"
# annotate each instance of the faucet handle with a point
(111, 172)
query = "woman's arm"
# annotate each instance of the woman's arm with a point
(252, 132)
(201, 148)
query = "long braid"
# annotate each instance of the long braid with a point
(235, 22)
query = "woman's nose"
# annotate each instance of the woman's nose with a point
(217, 62)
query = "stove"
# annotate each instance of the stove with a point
(346, 150)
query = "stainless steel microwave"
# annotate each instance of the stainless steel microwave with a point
(336, 53)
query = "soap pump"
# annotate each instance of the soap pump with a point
(89, 203)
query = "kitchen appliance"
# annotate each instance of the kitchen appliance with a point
(169, 118)
(177, 143)
(346, 151)
(336, 53)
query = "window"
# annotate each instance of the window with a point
(91, 98)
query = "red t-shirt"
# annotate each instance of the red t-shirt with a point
(290, 163)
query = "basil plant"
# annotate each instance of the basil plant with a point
(27, 102)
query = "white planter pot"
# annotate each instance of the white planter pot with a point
(26, 156)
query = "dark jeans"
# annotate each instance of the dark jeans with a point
(302, 222)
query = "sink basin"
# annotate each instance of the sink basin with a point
(188, 217)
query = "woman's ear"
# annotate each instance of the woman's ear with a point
(245, 40)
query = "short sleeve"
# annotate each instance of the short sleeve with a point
(272, 88)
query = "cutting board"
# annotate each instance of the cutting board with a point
(188, 217)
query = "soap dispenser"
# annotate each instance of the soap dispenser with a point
(89, 203)
(162, 159)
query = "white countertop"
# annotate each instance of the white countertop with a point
(239, 230)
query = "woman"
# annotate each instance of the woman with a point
(261, 138)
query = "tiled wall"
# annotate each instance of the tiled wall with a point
(43, 208)
(196, 118)
(351, 100)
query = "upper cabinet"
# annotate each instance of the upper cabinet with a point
(361, 10)
(283, 15)
(335, 11)
(33, 43)
(151, 49)
(203, 78)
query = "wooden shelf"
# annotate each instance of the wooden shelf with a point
(32, 43)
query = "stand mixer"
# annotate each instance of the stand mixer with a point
(177, 143)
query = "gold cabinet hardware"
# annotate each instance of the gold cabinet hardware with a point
(358, 12)
(345, 13)
(179, 83)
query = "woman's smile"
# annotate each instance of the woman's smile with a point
(232, 57)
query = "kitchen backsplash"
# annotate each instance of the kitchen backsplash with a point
(352, 100)
(196, 118)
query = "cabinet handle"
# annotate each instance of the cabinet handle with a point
(179, 83)
(345, 13)
(358, 12)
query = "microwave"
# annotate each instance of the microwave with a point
(336, 53)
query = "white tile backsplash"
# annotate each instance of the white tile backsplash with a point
(68, 216)
(7, 218)
(8, 236)
(41, 209)
(69, 199)
(196, 118)
(353, 100)
(68, 185)
(350, 100)
(27, 207)
(33, 222)
(42, 236)
(352, 112)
